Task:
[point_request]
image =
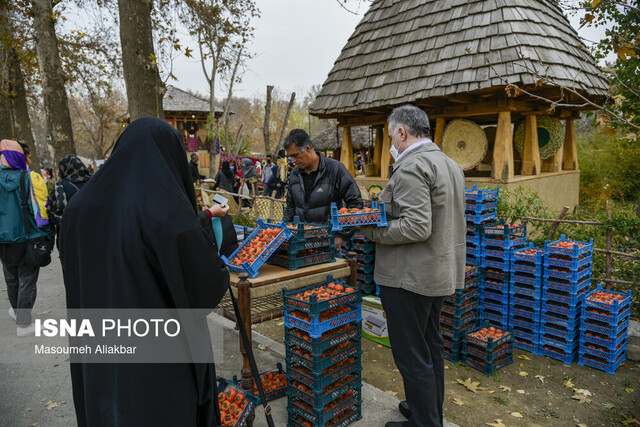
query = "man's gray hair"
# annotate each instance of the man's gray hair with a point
(194, 155)
(412, 118)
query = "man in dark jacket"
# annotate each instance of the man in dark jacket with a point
(193, 168)
(315, 182)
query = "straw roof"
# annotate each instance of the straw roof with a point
(326, 140)
(178, 100)
(410, 50)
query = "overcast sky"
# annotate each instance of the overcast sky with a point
(296, 43)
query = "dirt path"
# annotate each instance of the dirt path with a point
(533, 391)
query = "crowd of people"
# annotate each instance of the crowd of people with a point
(131, 236)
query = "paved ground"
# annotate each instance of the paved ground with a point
(40, 393)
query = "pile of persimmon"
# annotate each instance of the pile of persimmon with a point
(331, 369)
(567, 244)
(324, 292)
(347, 395)
(326, 315)
(329, 334)
(606, 297)
(485, 334)
(374, 214)
(255, 246)
(232, 402)
(271, 381)
(328, 352)
(530, 251)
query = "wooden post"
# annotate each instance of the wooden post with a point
(346, 151)
(440, 124)
(531, 152)
(377, 151)
(503, 148)
(570, 149)
(386, 155)
(553, 163)
(561, 215)
(244, 305)
(353, 265)
(609, 244)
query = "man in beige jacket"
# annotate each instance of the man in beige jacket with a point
(420, 258)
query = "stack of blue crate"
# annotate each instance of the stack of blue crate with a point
(525, 306)
(481, 209)
(365, 251)
(604, 329)
(498, 241)
(567, 278)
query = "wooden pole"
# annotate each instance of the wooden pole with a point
(531, 152)
(609, 242)
(386, 155)
(244, 305)
(353, 265)
(440, 124)
(346, 151)
(561, 215)
(570, 149)
(503, 148)
(553, 163)
(377, 151)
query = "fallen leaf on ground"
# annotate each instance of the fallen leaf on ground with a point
(458, 401)
(524, 357)
(498, 423)
(505, 388)
(379, 346)
(446, 367)
(541, 378)
(44, 399)
(263, 347)
(280, 323)
(629, 390)
(523, 374)
(34, 424)
(521, 391)
(581, 397)
(471, 386)
(51, 404)
(581, 425)
(628, 420)
(392, 393)
(516, 414)
(568, 383)
(608, 405)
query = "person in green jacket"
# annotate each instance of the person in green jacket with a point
(21, 278)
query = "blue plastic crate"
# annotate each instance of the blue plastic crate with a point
(474, 207)
(496, 295)
(252, 269)
(366, 269)
(358, 237)
(225, 385)
(525, 279)
(604, 329)
(498, 275)
(363, 248)
(474, 261)
(520, 255)
(488, 357)
(315, 328)
(320, 381)
(321, 415)
(586, 359)
(324, 396)
(518, 309)
(572, 276)
(525, 290)
(495, 285)
(560, 333)
(525, 336)
(568, 265)
(493, 262)
(293, 301)
(317, 345)
(612, 319)
(615, 308)
(526, 301)
(462, 295)
(495, 305)
(480, 195)
(474, 239)
(478, 218)
(456, 322)
(505, 235)
(524, 267)
(565, 285)
(340, 221)
(292, 246)
(488, 345)
(347, 417)
(270, 395)
(325, 360)
(560, 353)
(485, 368)
(471, 272)
(458, 310)
(368, 288)
(532, 346)
(294, 262)
(453, 356)
(301, 231)
(609, 343)
(569, 319)
(474, 250)
(528, 324)
(366, 258)
(568, 298)
(493, 252)
(496, 318)
(577, 248)
(365, 278)
(458, 333)
(571, 311)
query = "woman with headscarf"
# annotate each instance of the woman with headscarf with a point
(250, 175)
(74, 174)
(132, 239)
(21, 277)
(225, 179)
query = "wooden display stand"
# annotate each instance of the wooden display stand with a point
(270, 281)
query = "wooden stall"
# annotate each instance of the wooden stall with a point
(504, 67)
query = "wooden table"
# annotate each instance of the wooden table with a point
(270, 281)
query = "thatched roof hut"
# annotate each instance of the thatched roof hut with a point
(331, 138)
(455, 59)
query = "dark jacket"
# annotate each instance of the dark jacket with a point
(195, 172)
(224, 182)
(333, 184)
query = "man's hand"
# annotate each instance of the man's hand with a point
(339, 241)
(218, 211)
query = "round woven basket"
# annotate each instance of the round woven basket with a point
(550, 136)
(465, 142)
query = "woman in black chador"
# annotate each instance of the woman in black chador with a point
(132, 238)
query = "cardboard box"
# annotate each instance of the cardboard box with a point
(374, 321)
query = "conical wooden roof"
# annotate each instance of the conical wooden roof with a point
(410, 50)
(328, 140)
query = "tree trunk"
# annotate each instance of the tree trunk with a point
(144, 87)
(267, 120)
(284, 125)
(59, 131)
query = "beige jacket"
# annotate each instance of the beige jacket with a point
(423, 248)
